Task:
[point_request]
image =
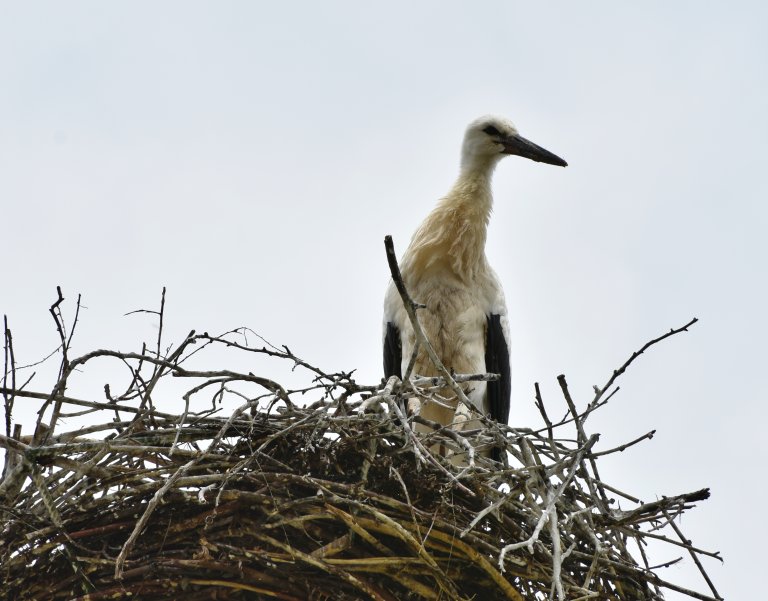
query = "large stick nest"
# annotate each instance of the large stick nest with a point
(337, 499)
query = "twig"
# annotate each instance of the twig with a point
(410, 308)
(549, 511)
(598, 494)
(626, 445)
(9, 367)
(692, 553)
(599, 392)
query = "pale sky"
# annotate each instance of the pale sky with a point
(251, 156)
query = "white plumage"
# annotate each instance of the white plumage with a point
(445, 268)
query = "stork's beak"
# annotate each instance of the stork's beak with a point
(525, 148)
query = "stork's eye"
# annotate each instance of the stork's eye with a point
(491, 130)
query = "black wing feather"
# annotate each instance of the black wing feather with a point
(497, 362)
(393, 352)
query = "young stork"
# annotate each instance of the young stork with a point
(445, 268)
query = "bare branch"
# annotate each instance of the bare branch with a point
(410, 308)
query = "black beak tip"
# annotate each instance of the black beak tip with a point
(551, 159)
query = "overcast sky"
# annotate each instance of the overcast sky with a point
(251, 156)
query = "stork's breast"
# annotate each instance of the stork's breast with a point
(454, 322)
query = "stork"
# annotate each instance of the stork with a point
(446, 270)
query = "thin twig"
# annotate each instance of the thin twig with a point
(410, 308)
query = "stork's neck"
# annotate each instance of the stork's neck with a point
(471, 194)
(452, 238)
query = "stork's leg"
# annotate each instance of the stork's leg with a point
(414, 406)
(460, 418)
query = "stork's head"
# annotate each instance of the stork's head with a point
(489, 138)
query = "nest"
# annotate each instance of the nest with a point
(338, 498)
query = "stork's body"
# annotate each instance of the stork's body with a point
(445, 268)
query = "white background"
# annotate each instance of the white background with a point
(252, 156)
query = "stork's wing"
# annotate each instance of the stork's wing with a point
(393, 352)
(497, 362)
